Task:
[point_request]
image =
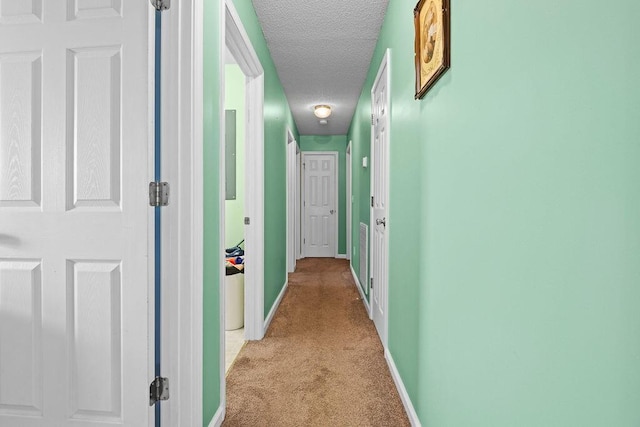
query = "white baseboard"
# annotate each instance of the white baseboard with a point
(275, 306)
(341, 256)
(218, 417)
(404, 396)
(365, 301)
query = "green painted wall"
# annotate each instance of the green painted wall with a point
(234, 100)
(278, 118)
(212, 206)
(514, 222)
(360, 135)
(333, 143)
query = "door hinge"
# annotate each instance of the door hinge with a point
(158, 390)
(371, 281)
(247, 221)
(304, 166)
(373, 120)
(161, 4)
(158, 193)
(371, 201)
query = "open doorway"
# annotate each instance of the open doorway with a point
(234, 207)
(242, 217)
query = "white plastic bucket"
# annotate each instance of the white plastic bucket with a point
(234, 302)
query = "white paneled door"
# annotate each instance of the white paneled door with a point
(320, 204)
(379, 189)
(74, 267)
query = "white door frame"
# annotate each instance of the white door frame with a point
(337, 213)
(384, 64)
(183, 109)
(237, 40)
(349, 200)
(292, 146)
(182, 274)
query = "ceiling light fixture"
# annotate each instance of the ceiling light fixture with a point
(322, 111)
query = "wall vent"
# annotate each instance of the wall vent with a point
(364, 254)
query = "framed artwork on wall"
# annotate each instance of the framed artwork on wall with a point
(432, 43)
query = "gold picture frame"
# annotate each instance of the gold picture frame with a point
(432, 43)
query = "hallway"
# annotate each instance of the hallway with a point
(321, 362)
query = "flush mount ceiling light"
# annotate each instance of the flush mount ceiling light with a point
(322, 111)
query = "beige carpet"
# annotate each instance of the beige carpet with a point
(321, 362)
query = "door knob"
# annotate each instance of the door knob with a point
(382, 221)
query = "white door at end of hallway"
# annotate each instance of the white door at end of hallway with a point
(320, 204)
(379, 209)
(74, 213)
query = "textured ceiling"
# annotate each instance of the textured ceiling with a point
(322, 51)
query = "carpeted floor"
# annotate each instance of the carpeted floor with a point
(321, 362)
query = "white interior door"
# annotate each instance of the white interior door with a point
(320, 207)
(379, 186)
(74, 215)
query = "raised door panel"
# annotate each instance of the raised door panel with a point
(313, 191)
(94, 336)
(91, 9)
(325, 231)
(380, 185)
(20, 129)
(20, 337)
(379, 246)
(94, 127)
(319, 233)
(324, 191)
(313, 230)
(20, 11)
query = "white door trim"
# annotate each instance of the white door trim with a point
(349, 199)
(385, 63)
(182, 112)
(184, 99)
(291, 201)
(337, 227)
(237, 40)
